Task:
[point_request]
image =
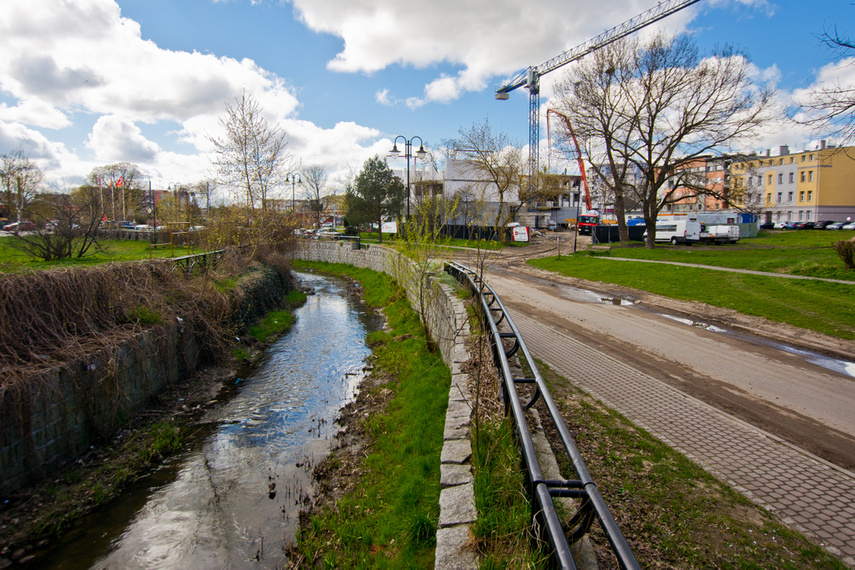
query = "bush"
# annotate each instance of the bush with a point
(846, 251)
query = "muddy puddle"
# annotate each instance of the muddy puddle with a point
(231, 500)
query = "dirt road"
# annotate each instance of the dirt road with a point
(733, 365)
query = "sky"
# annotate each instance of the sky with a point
(85, 83)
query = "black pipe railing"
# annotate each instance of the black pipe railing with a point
(592, 505)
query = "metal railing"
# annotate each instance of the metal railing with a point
(203, 261)
(542, 491)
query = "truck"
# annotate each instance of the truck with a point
(678, 231)
(588, 221)
(719, 234)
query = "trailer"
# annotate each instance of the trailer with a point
(719, 234)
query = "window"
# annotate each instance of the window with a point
(801, 215)
(792, 159)
(804, 158)
(780, 194)
(792, 177)
(810, 175)
(780, 178)
(803, 175)
(789, 196)
(769, 198)
(770, 179)
(807, 214)
(810, 195)
(802, 196)
(811, 157)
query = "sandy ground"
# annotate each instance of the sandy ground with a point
(746, 373)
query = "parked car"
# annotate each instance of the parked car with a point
(803, 225)
(835, 226)
(126, 225)
(767, 226)
(781, 225)
(22, 226)
(848, 226)
(823, 224)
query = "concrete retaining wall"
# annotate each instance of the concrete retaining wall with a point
(69, 407)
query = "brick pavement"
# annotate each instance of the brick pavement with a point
(803, 491)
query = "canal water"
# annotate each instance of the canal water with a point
(232, 499)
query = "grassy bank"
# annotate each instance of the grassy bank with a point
(807, 252)
(388, 518)
(671, 511)
(828, 308)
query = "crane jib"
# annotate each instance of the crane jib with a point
(651, 16)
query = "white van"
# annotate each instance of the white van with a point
(678, 231)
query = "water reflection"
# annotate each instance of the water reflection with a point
(234, 499)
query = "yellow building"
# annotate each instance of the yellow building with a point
(808, 186)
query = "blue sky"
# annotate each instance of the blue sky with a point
(90, 82)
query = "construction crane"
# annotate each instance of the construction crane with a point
(530, 77)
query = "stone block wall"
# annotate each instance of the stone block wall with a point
(446, 321)
(68, 408)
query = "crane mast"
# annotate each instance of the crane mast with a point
(530, 77)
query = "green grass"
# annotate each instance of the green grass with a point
(503, 528)
(275, 323)
(805, 252)
(671, 511)
(372, 237)
(828, 308)
(14, 261)
(390, 519)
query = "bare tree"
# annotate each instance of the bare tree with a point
(252, 157)
(120, 190)
(19, 180)
(500, 166)
(671, 109)
(830, 106)
(590, 102)
(67, 225)
(315, 179)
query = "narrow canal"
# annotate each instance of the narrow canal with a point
(232, 499)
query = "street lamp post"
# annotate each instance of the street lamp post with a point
(293, 178)
(408, 152)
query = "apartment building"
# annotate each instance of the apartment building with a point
(807, 186)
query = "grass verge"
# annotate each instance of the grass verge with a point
(671, 511)
(824, 307)
(389, 517)
(807, 252)
(15, 261)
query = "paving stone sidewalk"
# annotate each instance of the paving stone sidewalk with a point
(803, 491)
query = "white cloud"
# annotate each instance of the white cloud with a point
(483, 37)
(36, 113)
(66, 60)
(117, 139)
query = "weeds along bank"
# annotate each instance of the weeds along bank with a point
(83, 350)
(443, 314)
